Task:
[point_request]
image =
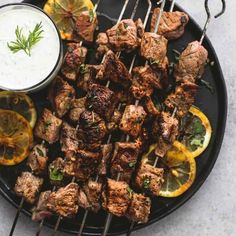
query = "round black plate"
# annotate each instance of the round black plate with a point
(213, 105)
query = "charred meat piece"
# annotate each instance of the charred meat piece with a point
(116, 197)
(82, 165)
(150, 107)
(192, 61)
(68, 139)
(40, 211)
(124, 160)
(28, 186)
(139, 209)
(145, 79)
(103, 44)
(149, 178)
(124, 36)
(115, 120)
(48, 127)
(182, 99)
(172, 24)
(86, 25)
(77, 107)
(167, 130)
(106, 152)
(93, 191)
(132, 120)
(113, 69)
(61, 95)
(55, 171)
(92, 128)
(101, 100)
(37, 160)
(64, 201)
(75, 56)
(153, 47)
(87, 76)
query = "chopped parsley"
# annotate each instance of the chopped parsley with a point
(146, 182)
(132, 164)
(130, 192)
(91, 15)
(83, 69)
(55, 174)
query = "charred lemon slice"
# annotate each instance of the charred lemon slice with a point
(15, 137)
(179, 171)
(195, 132)
(65, 13)
(20, 103)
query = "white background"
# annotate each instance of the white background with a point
(212, 210)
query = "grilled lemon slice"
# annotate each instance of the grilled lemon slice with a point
(65, 13)
(16, 137)
(20, 103)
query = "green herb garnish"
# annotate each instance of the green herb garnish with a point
(26, 43)
(47, 123)
(132, 164)
(152, 62)
(91, 15)
(83, 69)
(40, 152)
(130, 192)
(146, 182)
(55, 174)
(125, 25)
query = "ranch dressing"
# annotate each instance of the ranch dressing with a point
(18, 71)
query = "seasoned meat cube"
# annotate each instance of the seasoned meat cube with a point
(55, 170)
(87, 76)
(83, 199)
(153, 47)
(101, 100)
(70, 164)
(48, 127)
(132, 120)
(103, 45)
(113, 69)
(68, 139)
(37, 160)
(115, 120)
(123, 36)
(40, 211)
(106, 151)
(28, 186)
(171, 24)
(116, 197)
(145, 79)
(182, 98)
(92, 127)
(167, 130)
(77, 107)
(86, 164)
(86, 25)
(64, 201)
(75, 56)
(93, 191)
(150, 107)
(192, 61)
(124, 160)
(149, 178)
(139, 209)
(61, 95)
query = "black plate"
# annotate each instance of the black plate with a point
(213, 105)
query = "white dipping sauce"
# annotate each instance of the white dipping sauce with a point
(19, 71)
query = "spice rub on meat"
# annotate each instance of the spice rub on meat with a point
(182, 99)
(74, 57)
(61, 96)
(37, 160)
(55, 171)
(48, 127)
(28, 186)
(124, 36)
(172, 24)
(77, 107)
(64, 201)
(101, 100)
(113, 69)
(132, 120)
(116, 197)
(124, 160)
(106, 152)
(191, 63)
(149, 178)
(139, 209)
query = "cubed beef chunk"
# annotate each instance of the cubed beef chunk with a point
(77, 107)
(115, 121)
(28, 186)
(48, 127)
(106, 152)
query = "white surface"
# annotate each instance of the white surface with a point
(13, 68)
(212, 210)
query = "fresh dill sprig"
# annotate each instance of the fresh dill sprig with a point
(23, 43)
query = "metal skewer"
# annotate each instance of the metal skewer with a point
(109, 215)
